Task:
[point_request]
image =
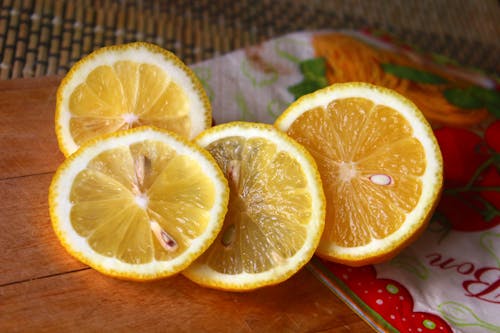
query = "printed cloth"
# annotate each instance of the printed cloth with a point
(449, 279)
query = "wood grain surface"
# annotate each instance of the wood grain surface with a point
(43, 289)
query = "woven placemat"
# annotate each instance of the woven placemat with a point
(45, 37)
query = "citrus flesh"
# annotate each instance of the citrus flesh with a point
(138, 204)
(380, 164)
(276, 208)
(124, 86)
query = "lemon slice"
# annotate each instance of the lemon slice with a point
(380, 164)
(276, 208)
(123, 86)
(138, 204)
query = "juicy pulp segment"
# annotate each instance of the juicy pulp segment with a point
(269, 206)
(370, 166)
(124, 95)
(124, 192)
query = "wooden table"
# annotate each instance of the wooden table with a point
(42, 288)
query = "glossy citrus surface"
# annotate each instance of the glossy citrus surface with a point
(125, 86)
(276, 208)
(138, 204)
(380, 164)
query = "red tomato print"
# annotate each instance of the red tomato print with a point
(492, 136)
(462, 154)
(471, 198)
(389, 298)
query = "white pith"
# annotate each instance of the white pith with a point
(197, 109)
(61, 205)
(203, 273)
(431, 179)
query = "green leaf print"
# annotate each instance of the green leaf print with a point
(461, 315)
(412, 74)
(474, 98)
(304, 87)
(285, 54)
(314, 71)
(245, 112)
(488, 241)
(204, 74)
(275, 107)
(488, 96)
(494, 110)
(259, 77)
(411, 264)
(463, 98)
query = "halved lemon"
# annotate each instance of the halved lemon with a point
(276, 208)
(380, 164)
(138, 204)
(130, 85)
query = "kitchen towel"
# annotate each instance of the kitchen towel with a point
(449, 279)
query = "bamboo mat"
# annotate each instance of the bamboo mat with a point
(45, 37)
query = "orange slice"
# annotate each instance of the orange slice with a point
(380, 164)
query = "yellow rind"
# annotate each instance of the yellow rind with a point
(66, 165)
(154, 49)
(203, 275)
(331, 93)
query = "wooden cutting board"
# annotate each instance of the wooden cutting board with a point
(42, 288)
